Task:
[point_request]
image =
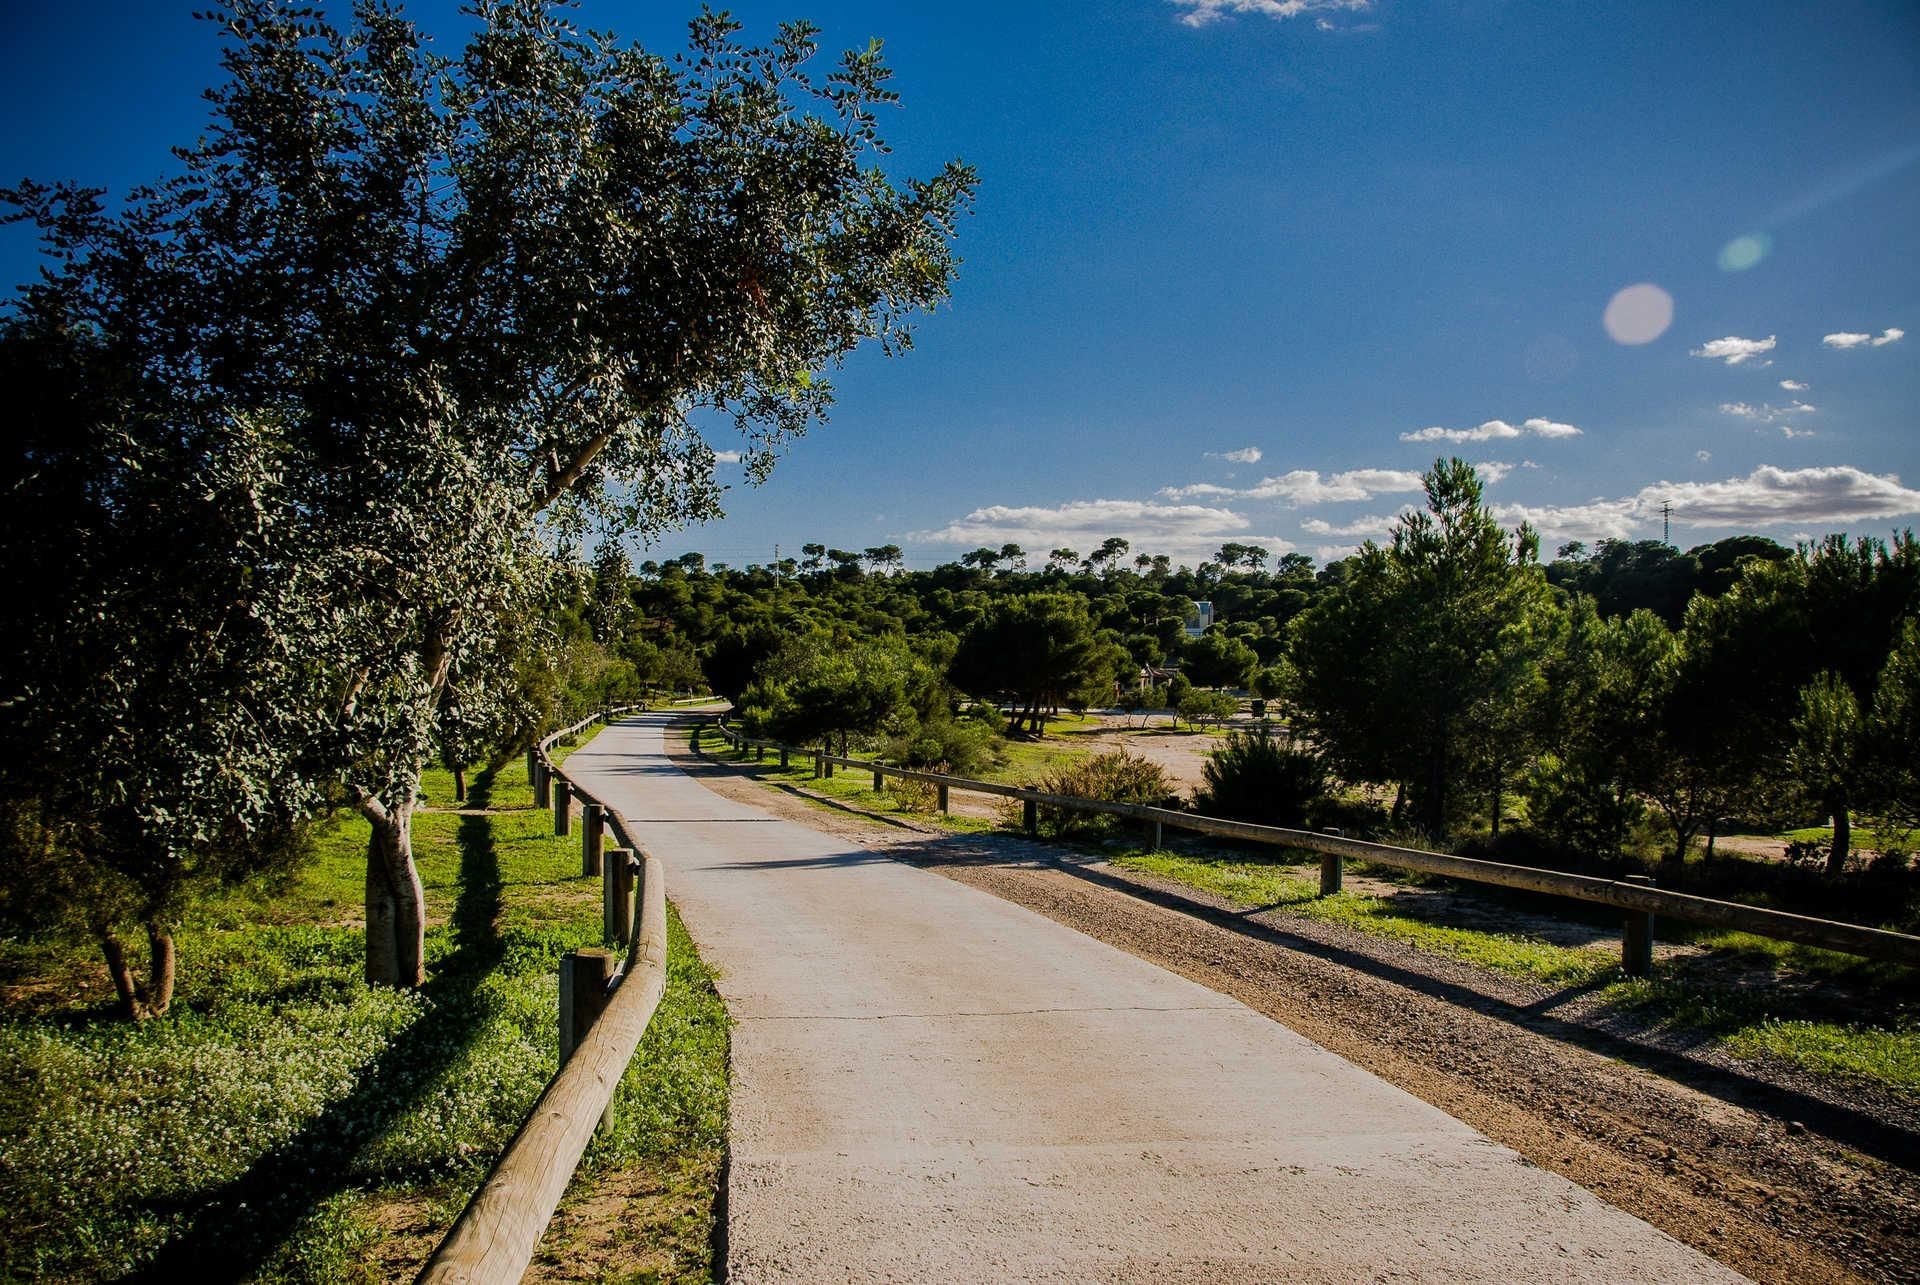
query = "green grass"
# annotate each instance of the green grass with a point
(850, 786)
(1869, 1053)
(1866, 834)
(1271, 885)
(1748, 1019)
(1027, 761)
(258, 1129)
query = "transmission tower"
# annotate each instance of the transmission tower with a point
(1666, 522)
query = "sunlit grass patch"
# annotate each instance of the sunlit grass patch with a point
(1271, 884)
(258, 1129)
(1889, 1058)
(1746, 1020)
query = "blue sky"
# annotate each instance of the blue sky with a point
(1349, 237)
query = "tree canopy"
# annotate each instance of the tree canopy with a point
(467, 304)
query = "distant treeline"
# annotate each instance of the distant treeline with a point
(1602, 697)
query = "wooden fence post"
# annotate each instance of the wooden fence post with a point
(1332, 868)
(1636, 942)
(879, 781)
(562, 805)
(1159, 835)
(593, 833)
(541, 781)
(783, 757)
(1030, 816)
(617, 901)
(825, 762)
(584, 975)
(942, 789)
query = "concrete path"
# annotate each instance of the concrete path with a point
(932, 1084)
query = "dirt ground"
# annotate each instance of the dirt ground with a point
(1179, 754)
(1781, 1178)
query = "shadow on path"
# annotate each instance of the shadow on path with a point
(237, 1227)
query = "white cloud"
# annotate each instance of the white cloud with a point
(1379, 524)
(1703, 456)
(1791, 432)
(726, 457)
(1768, 496)
(1245, 455)
(1334, 552)
(1793, 385)
(1733, 350)
(1548, 428)
(1767, 414)
(1492, 471)
(1199, 13)
(1493, 430)
(1306, 486)
(1181, 531)
(1857, 339)
(1197, 490)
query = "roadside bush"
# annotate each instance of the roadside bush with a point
(1356, 818)
(1591, 819)
(1259, 777)
(1119, 777)
(1200, 707)
(915, 796)
(962, 746)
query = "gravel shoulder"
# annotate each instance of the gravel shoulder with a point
(1780, 1178)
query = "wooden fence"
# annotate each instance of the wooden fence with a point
(1639, 897)
(605, 1005)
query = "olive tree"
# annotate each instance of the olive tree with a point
(148, 747)
(480, 297)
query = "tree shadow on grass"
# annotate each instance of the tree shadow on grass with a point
(237, 1227)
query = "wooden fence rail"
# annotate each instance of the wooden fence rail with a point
(603, 1020)
(1638, 897)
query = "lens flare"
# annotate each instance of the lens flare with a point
(1639, 314)
(1744, 252)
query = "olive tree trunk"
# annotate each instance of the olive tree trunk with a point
(396, 900)
(1842, 838)
(141, 999)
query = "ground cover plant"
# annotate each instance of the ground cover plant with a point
(275, 1124)
(1833, 1015)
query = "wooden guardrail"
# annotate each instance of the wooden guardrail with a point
(604, 1012)
(1640, 898)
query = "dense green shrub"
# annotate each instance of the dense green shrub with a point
(944, 742)
(1200, 707)
(1589, 818)
(1256, 776)
(1119, 777)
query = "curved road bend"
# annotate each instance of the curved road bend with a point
(932, 1084)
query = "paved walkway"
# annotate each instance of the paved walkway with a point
(932, 1084)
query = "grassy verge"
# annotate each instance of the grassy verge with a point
(1866, 835)
(1751, 994)
(1295, 888)
(848, 786)
(284, 1122)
